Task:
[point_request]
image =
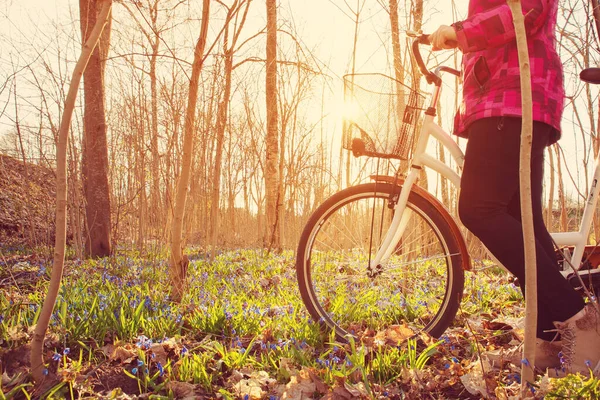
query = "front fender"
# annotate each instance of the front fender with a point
(466, 259)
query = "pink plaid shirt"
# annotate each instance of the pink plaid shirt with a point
(491, 79)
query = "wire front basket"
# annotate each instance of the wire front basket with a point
(381, 116)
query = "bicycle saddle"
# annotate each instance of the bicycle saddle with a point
(590, 75)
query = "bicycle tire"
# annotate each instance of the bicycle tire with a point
(333, 254)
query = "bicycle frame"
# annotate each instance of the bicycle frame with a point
(575, 239)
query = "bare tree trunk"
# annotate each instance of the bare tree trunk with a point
(596, 12)
(222, 118)
(564, 225)
(417, 14)
(220, 133)
(442, 156)
(398, 68)
(18, 128)
(37, 342)
(550, 209)
(95, 149)
(353, 71)
(178, 267)
(272, 156)
(526, 207)
(155, 213)
(596, 142)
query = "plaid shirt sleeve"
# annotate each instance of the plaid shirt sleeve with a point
(494, 27)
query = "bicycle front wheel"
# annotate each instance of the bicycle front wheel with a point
(419, 285)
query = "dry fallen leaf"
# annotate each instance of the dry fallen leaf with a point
(254, 384)
(300, 387)
(474, 381)
(287, 367)
(181, 389)
(16, 333)
(357, 389)
(250, 388)
(122, 354)
(159, 353)
(321, 386)
(393, 335)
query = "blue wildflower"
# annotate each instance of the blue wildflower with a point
(161, 371)
(45, 371)
(56, 357)
(134, 370)
(66, 351)
(140, 363)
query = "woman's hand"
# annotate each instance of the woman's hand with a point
(443, 38)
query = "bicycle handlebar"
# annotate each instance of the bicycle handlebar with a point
(430, 76)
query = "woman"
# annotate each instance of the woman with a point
(490, 117)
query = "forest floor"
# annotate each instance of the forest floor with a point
(27, 197)
(242, 332)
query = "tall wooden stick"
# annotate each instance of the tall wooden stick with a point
(527, 375)
(37, 343)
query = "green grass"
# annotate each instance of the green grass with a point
(241, 323)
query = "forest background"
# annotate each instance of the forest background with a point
(147, 71)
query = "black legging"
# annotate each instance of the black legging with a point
(489, 207)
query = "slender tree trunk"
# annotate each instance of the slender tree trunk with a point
(37, 342)
(156, 212)
(19, 135)
(526, 207)
(564, 225)
(95, 149)
(272, 156)
(596, 142)
(353, 71)
(398, 68)
(550, 209)
(178, 267)
(220, 133)
(596, 12)
(442, 157)
(222, 113)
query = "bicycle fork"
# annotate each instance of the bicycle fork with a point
(401, 213)
(398, 225)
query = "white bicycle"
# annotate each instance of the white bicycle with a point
(388, 252)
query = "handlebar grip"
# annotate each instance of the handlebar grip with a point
(431, 77)
(423, 39)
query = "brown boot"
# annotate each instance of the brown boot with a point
(546, 355)
(580, 341)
